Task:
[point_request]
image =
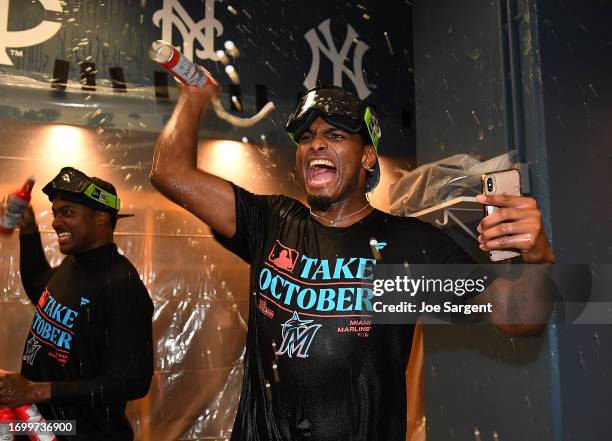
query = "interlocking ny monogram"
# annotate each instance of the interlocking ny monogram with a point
(337, 57)
(189, 29)
(30, 37)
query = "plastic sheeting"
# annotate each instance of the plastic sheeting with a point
(430, 184)
(200, 291)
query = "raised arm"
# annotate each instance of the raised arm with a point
(174, 172)
(33, 265)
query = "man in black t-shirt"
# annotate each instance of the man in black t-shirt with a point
(89, 349)
(316, 367)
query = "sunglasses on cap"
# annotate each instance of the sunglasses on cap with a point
(338, 108)
(85, 190)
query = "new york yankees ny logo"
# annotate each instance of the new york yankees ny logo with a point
(297, 336)
(30, 37)
(337, 57)
(189, 29)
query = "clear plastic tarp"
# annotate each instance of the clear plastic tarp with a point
(199, 290)
(436, 182)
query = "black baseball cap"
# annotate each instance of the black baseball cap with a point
(341, 109)
(73, 185)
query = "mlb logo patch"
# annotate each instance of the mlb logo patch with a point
(283, 257)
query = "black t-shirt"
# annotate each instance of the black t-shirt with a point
(316, 368)
(90, 337)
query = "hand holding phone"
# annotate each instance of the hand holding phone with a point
(500, 182)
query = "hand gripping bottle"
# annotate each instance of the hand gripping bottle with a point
(6, 415)
(16, 204)
(168, 57)
(31, 414)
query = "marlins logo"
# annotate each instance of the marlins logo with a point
(31, 351)
(297, 336)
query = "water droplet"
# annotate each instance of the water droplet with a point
(232, 74)
(445, 84)
(450, 118)
(475, 117)
(581, 359)
(268, 389)
(231, 48)
(209, 358)
(388, 42)
(222, 57)
(560, 120)
(593, 90)
(237, 103)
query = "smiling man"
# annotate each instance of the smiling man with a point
(316, 368)
(89, 348)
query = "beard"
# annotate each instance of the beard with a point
(319, 203)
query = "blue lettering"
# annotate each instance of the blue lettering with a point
(306, 270)
(323, 269)
(46, 331)
(273, 286)
(54, 334)
(291, 288)
(265, 283)
(342, 299)
(64, 340)
(311, 301)
(367, 300)
(37, 320)
(39, 326)
(57, 312)
(343, 268)
(49, 305)
(365, 271)
(69, 318)
(326, 299)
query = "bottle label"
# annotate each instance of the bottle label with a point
(187, 71)
(14, 210)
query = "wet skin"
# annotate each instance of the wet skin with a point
(343, 180)
(79, 228)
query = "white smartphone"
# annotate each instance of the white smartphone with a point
(500, 182)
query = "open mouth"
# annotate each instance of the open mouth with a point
(321, 172)
(63, 237)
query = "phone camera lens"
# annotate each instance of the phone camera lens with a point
(490, 184)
